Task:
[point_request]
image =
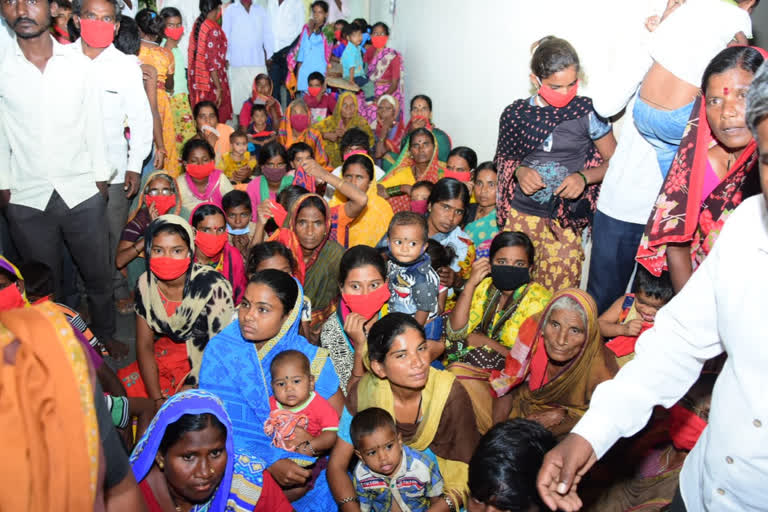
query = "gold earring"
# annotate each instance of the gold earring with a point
(160, 465)
(213, 470)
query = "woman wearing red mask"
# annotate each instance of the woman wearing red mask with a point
(159, 195)
(180, 305)
(364, 296)
(552, 154)
(201, 181)
(212, 247)
(295, 127)
(385, 69)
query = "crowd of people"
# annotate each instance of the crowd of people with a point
(337, 308)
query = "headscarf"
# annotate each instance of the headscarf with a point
(405, 163)
(207, 297)
(231, 265)
(393, 144)
(334, 121)
(49, 425)
(141, 203)
(287, 137)
(269, 101)
(572, 387)
(241, 486)
(680, 215)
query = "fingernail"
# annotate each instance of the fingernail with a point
(562, 488)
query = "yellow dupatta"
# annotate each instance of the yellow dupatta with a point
(375, 392)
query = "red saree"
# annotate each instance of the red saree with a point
(208, 53)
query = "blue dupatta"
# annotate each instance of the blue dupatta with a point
(239, 374)
(241, 486)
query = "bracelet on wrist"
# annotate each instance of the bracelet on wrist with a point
(347, 500)
(584, 177)
(449, 502)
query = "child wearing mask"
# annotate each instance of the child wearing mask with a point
(259, 132)
(242, 230)
(320, 103)
(420, 192)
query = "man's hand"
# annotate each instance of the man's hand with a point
(131, 186)
(103, 189)
(5, 198)
(561, 472)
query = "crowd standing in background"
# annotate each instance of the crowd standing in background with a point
(336, 307)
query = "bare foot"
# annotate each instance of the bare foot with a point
(117, 349)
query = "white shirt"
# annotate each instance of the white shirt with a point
(6, 36)
(287, 21)
(633, 179)
(334, 13)
(694, 33)
(190, 10)
(249, 35)
(720, 309)
(51, 128)
(124, 104)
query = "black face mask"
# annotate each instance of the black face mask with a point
(507, 277)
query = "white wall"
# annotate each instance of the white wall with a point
(472, 56)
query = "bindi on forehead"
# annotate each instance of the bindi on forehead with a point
(726, 91)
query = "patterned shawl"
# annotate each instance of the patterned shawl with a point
(212, 191)
(240, 487)
(402, 170)
(287, 137)
(376, 70)
(570, 389)
(523, 128)
(237, 372)
(334, 121)
(205, 309)
(50, 431)
(679, 215)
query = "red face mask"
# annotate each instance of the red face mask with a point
(314, 91)
(11, 298)
(557, 99)
(162, 203)
(174, 33)
(368, 304)
(463, 177)
(299, 122)
(209, 244)
(97, 33)
(419, 206)
(168, 269)
(685, 427)
(200, 171)
(379, 41)
(337, 35)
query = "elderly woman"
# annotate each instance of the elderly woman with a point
(295, 127)
(187, 460)
(236, 367)
(388, 127)
(715, 170)
(552, 153)
(429, 407)
(483, 327)
(558, 361)
(333, 127)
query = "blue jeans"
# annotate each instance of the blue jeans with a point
(663, 129)
(614, 245)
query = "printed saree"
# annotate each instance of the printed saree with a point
(237, 371)
(679, 215)
(379, 71)
(523, 128)
(572, 388)
(208, 53)
(288, 137)
(334, 121)
(241, 486)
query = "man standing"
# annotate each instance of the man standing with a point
(287, 18)
(249, 34)
(124, 104)
(54, 172)
(720, 309)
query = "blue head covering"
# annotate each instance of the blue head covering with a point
(200, 402)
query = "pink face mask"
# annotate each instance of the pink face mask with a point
(299, 122)
(419, 206)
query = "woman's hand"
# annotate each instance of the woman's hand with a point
(354, 326)
(264, 212)
(477, 340)
(530, 180)
(382, 191)
(242, 173)
(300, 436)
(331, 136)
(288, 474)
(571, 187)
(418, 123)
(218, 96)
(481, 269)
(633, 328)
(153, 213)
(548, 418)
(159, 158)
(449, 278)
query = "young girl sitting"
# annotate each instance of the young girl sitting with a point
(259, 131)
(481, 215)
(201, 181)
(634, 313)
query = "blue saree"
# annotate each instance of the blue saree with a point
(241, 486)
(236, 371)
